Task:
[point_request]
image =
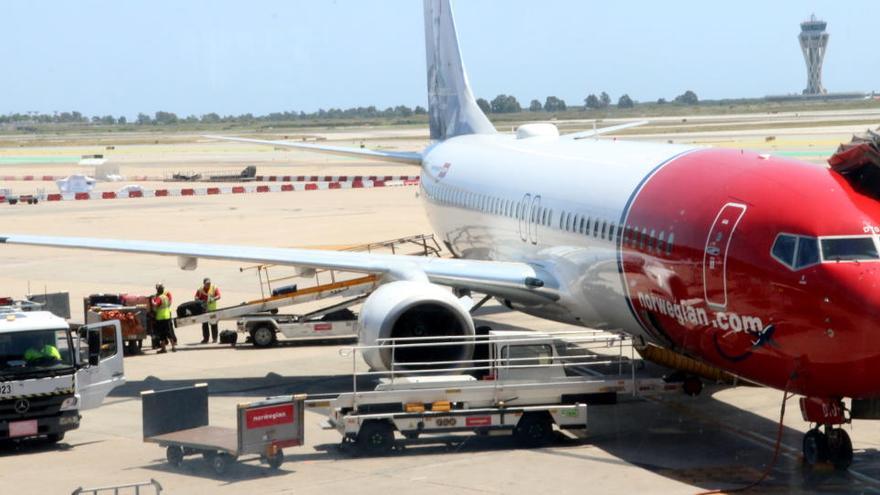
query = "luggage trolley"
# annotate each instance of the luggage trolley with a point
(177, 419)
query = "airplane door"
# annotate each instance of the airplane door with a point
(715, 254)
(534, 219)
(523, 217)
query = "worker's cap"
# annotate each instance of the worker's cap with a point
(206, 280)
(159, 286)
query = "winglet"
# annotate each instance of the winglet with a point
(452, 109)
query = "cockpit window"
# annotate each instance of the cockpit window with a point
(796, 251)
(807, 252)
(849, 249)
(784, 247)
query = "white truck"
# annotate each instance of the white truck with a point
(523, 390)
(49, 372)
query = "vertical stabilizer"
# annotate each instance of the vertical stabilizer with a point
(452, 109)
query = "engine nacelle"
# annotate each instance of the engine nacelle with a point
(414, 309)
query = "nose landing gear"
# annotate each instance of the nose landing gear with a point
(826, 443)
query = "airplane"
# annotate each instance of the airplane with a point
(762, 266)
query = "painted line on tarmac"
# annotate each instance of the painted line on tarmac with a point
(759, 439)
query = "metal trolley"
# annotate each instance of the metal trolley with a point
(177, 419)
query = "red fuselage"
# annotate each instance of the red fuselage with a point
(734, 294)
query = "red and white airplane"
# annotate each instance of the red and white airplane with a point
(762, 266)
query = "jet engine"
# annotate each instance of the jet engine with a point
(414, 309)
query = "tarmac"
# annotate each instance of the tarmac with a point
(722, 439)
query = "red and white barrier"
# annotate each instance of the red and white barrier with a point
(259, 178)
(211, 191)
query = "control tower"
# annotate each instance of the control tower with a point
(813, 40)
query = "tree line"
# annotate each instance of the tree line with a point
(509, 104)
(500, 104)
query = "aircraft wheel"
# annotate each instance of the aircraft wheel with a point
(815, 447)
(840, 450)
(692, 385)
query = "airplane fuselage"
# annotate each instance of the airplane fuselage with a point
(690, 248)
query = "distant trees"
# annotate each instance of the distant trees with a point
(165, 118)
(687, 98)
(661, 101)
(625, 102)
(535, 106)
(554, 104)
(604, 100)
(420, 110)
(143, 119)
(505, 104)
(591, 101)
(484, 105)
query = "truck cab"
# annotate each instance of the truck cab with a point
(49, 372)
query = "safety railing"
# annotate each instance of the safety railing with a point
(131, 488)
(592, 353)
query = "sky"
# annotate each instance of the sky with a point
(232, 57)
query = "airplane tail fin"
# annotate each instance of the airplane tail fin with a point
(452, 109)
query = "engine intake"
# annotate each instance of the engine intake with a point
(414, 309)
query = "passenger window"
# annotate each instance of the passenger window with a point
(642, 238)
(604, 229)
(568, 222)
(619, 232)
(784, 247)
(596, 228)
(669, 243)
(808, 252)
(611, 231)
(651, 239)
(587, 227)
(661, 244)
(583, 222)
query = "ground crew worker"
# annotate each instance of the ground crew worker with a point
(47, 353)
(208, 294)
(161, 303)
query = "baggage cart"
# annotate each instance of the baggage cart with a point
(177, 419)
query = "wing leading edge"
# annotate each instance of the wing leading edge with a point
(519, 281)
(411, 158)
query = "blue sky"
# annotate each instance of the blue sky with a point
(193, 57)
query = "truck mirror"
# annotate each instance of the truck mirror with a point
(94, 347)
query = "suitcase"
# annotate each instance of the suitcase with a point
(287, 289)
(190, 308)
(228, 337)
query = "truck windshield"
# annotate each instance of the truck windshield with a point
(35, 351)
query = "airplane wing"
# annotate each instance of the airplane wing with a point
(517, 281)
(412, 158)
(604, 130)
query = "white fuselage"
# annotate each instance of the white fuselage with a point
(547, 201)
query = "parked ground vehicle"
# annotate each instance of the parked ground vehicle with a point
(133, 313)
(528, 383)
(49, 372)
(177, 419)
(263, 329)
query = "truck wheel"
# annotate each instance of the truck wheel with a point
(376, 437)
(276, 460)
(534, 430)
(220, 463)
(263, 336)
(174, 454)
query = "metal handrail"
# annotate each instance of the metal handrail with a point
(115, 488)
